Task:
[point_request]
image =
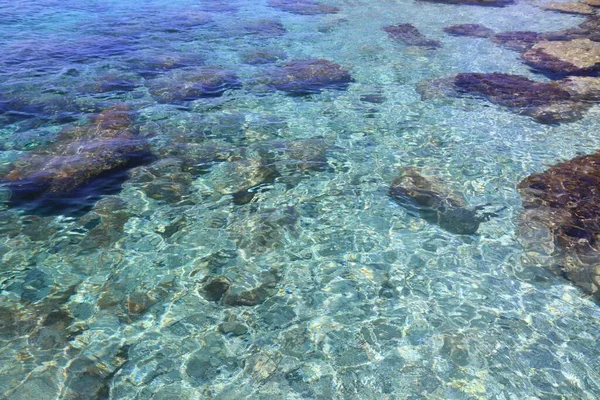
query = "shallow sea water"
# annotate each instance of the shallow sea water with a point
(351, 297)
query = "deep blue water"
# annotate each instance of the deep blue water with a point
(183, 220)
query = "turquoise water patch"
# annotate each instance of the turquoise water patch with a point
(256, 251)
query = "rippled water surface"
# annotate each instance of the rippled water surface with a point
(242, 243)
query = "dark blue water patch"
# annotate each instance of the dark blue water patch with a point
(51, 111)
(51, 55)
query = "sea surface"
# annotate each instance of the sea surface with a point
(250, 249)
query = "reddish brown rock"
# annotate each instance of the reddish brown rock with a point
(82, 163)
(564, 201)
(546, 102)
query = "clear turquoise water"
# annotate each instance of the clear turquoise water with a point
(369, 302)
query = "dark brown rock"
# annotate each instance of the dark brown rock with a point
(81, 164)
(215, 288)
(547, 103)
(564, 200)
(473, 30)
(408, 35)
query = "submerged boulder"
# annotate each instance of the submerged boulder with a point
(563, 200)
(573, 7)
(194, 84)
(302, 77)
(546, 102)
(428, 198)
(303, 7)
(473, 30)
(408, 35)
(570, 57)
(80, 165)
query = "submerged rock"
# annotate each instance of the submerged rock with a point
(486, 3)
(194, 85)
(243, 178)
(429, 199)
(564, 201)
(408, 35)
(80, 165)
(574, 7)
(265, 27)
(474, 30)
(585, 87)
(163, 180)
(546, 102)
(571, 57)
(302, 77)
(303, 7)
(104, 223)
(517, 40)
(257, 232)
(265, 56)
(303, 154)
(150, 65)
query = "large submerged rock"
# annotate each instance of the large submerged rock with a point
(408, 35)
(563, 201)
(194, 84)
(546, 102)
(570, 57)
(430, 199)
(80, 165)
(302, 77)
(574, 7)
